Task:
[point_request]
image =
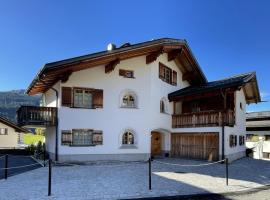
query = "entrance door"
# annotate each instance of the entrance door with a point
(155, 143)
(195, 145)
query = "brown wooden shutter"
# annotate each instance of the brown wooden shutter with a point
(98, 98)
(66, 138)
(122, 72)
(161, 71)
(174, 78)
(67, 96)
(97, 138)
(6, 131)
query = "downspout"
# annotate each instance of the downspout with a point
(56, 125)
(223, 128)
(56, 121)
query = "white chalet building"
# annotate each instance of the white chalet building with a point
(134, 101)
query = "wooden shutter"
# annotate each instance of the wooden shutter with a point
(67, 96)
(66, 138)
(174, 78)
(6, 131)
(161, 71)
(122, 72)
(98, 98)
(97, 138)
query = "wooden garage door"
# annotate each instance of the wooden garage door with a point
(195, 145)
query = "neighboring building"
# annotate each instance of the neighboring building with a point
(11, 135)
(258, 134)
(129, 102)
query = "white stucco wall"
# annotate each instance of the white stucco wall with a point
(111, 119)
(11, 139)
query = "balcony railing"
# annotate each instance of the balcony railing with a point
(36, 116)
(203, 119)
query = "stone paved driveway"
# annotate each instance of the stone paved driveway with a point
(130, 180)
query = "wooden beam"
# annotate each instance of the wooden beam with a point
(64, 77)
(110, 66)
(153, 56)
(172, 55)
(188, 76)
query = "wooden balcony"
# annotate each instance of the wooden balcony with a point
(203, 119)
(34, 116)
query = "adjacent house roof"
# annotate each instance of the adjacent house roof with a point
(178, 49)
(13, 125)
(258, 121)
(248, 81)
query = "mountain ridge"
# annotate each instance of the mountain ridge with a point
(11, 100)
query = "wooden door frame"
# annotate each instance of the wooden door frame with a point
(161, 140)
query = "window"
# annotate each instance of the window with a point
(3, 131)
(82, 137)
(241, 140)
(233, 140)
(163, 105)
(167, 75)
(126, 73)
(83, 98)
(128, 99)
(128, 138)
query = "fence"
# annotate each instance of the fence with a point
(150, 162)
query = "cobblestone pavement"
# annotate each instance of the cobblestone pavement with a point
(130, 180)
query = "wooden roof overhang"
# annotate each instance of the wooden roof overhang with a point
(248, 83)
(177, 50)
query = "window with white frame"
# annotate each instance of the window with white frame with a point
(3, 131)
(83, 98)
(163, 105)
(128, 100)
(128, 138)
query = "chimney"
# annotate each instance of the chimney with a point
(111, 47)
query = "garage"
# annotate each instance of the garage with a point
(203, 146)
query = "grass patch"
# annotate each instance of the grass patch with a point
(32, 139)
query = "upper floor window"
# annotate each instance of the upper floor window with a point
(168, 75)
(3, 131)
(163, 105)
(241, 140)
(128, 99)
(82, 97)
(126, 73)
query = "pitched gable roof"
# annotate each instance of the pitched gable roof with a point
(13, 125)
(247, 80)
(60, 70)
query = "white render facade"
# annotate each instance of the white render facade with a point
(137, 101)
(114, 120)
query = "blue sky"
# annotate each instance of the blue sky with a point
(227, 37)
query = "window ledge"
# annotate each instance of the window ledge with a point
(128, 147)
(127, 107)
(165, 113)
